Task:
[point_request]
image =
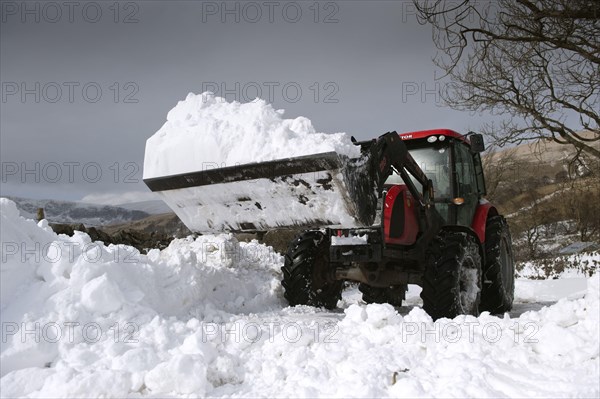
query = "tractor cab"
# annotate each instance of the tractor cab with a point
(453, 164)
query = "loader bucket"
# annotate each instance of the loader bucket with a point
(320, 190)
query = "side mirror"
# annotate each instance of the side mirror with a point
(477, 144)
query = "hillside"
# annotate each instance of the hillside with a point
(548, 194)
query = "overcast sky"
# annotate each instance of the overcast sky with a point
(84, 84)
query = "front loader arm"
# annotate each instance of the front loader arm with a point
(389, 152)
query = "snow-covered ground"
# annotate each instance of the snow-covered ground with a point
(206, 317)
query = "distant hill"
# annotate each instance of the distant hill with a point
(152, 207)
(78, 212)
(545, 152)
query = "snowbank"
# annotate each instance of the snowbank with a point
(205, 317)
(205, 131)
(73, 311)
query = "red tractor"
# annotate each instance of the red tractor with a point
(409, 210)
(446, 237)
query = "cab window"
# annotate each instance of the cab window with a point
(434, 160)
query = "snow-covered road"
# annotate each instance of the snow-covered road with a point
(206, 317)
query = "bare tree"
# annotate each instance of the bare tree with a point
(535, 62)
(580, 205)
(529, 225)
(498, 167)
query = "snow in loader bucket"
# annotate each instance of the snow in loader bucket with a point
(319, 190)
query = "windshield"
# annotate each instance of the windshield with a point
(434, 161)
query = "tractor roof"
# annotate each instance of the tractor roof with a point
(422, 134)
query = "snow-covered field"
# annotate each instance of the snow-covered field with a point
(206, 317)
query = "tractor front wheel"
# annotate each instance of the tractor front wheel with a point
(452, 278)
(305, 270)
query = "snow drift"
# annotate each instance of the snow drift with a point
(205, 317)
(205, 132)
(83, 303)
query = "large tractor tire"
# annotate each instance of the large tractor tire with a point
(392, 295)
(452, 278)
(305, 270)
(499, 272)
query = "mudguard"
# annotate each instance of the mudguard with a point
(400, 225)
(483, 210)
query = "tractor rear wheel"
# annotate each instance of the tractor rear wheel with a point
(392, 295)
(452, 278)
(499, 271)
(305, 269)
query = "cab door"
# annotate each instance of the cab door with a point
(465, 184)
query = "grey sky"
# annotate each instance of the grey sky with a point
(374, 63)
